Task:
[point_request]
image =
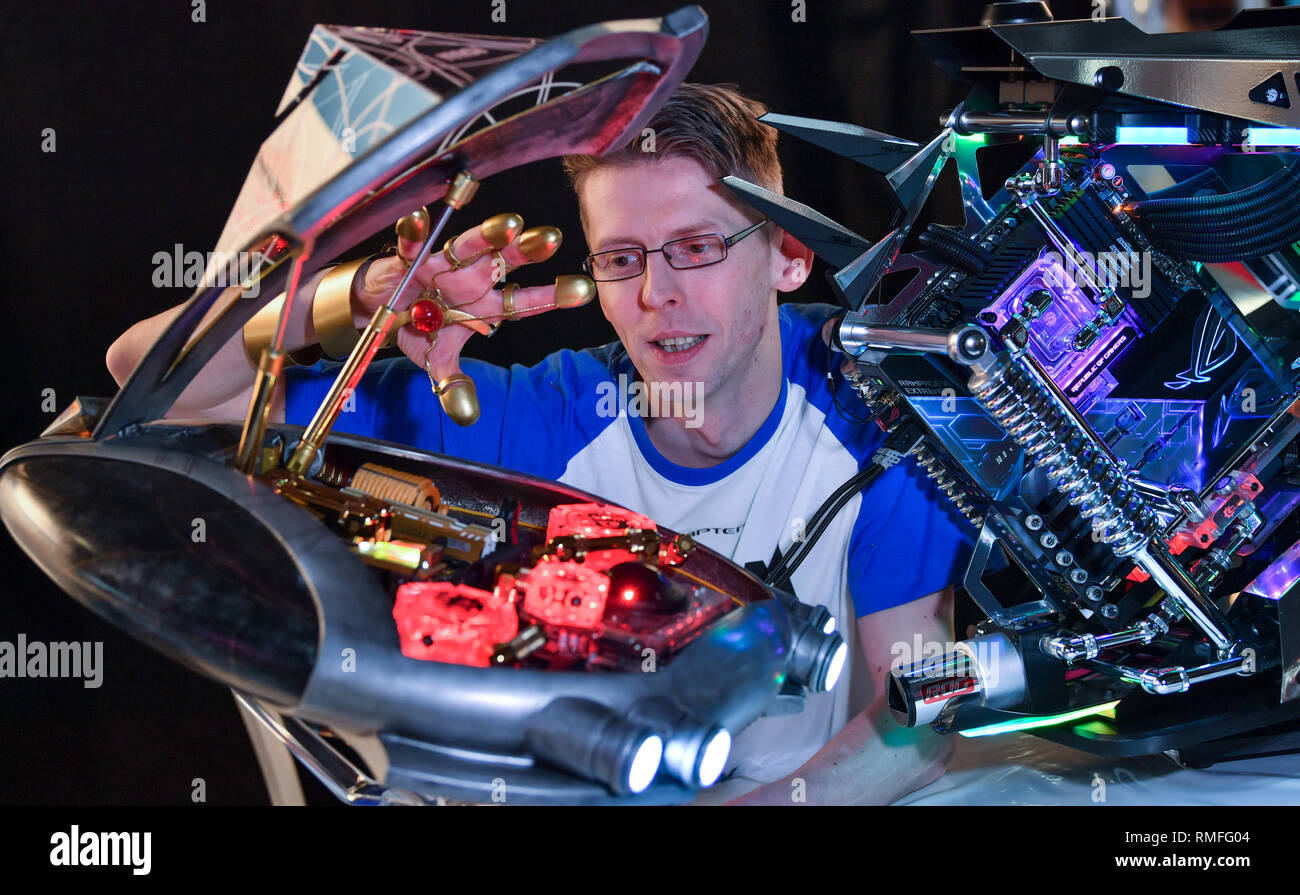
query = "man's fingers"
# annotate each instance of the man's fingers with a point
(444, 359)
(455, 390)
(513, 301)
(497, 232)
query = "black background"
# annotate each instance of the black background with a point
(157, 119)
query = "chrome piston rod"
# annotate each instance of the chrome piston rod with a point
(1176, 678)
(1071, 649)
(963, 344)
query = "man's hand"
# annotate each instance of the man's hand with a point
(468, 289)
(873, 760)
(222, 389)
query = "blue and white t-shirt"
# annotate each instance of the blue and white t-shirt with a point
(895, 543)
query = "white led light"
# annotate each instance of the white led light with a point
(716, 753)
(1275, 136)
(829, 627)
(645, 764)
(836, 666)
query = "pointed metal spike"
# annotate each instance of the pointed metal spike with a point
(878, 151)
(912, 182)
(859, 279)
(914, 178)
(833, 243)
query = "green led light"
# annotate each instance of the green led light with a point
(403, 554)
(989, 730)
(974, 139)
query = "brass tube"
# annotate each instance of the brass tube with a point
(344, 385)
(250, 439)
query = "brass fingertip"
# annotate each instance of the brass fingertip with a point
(501, 229)
(573, 290)
(414, 226)
(540, 243)
(459, 399)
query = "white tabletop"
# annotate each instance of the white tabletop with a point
(1022, 769)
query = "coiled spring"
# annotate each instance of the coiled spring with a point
(936, 470)
(397, 486)
(1084, 475)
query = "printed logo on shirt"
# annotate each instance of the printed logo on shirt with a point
(731, 530)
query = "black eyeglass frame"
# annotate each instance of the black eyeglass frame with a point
(727, 243)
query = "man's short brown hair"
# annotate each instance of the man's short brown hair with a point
(712, 123)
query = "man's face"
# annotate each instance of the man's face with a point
(724, 311)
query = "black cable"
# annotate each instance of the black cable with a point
(956, 247)
(779, 575)
(1185, 188)
(1242, 230)
(1218, 248)
(1236, 202)
(1249, 223)
(1280, 202)
(840, 408)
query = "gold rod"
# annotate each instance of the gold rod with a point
(259, 408)
(249, 453)
(344, 385)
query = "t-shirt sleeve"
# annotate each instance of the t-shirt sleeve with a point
(907, 540)
(532, 419)
(907, 543)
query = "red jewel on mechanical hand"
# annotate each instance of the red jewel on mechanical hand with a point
(426, 316)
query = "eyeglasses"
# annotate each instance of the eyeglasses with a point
(681, 254)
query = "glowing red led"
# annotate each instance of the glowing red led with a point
(564, 593)
(597, 520)
(445, 622)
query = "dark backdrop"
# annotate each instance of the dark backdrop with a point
(157, 119)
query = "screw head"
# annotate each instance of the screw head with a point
(1108, 78)
(1048, 540)
(1078, 576)
(1110, 610)
(1093, 594)
(1033, 523)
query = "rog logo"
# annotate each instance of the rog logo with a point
(1213, 345)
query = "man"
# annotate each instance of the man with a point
(749, 448)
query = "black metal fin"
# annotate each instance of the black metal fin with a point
(878, 151)
(833, 243)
